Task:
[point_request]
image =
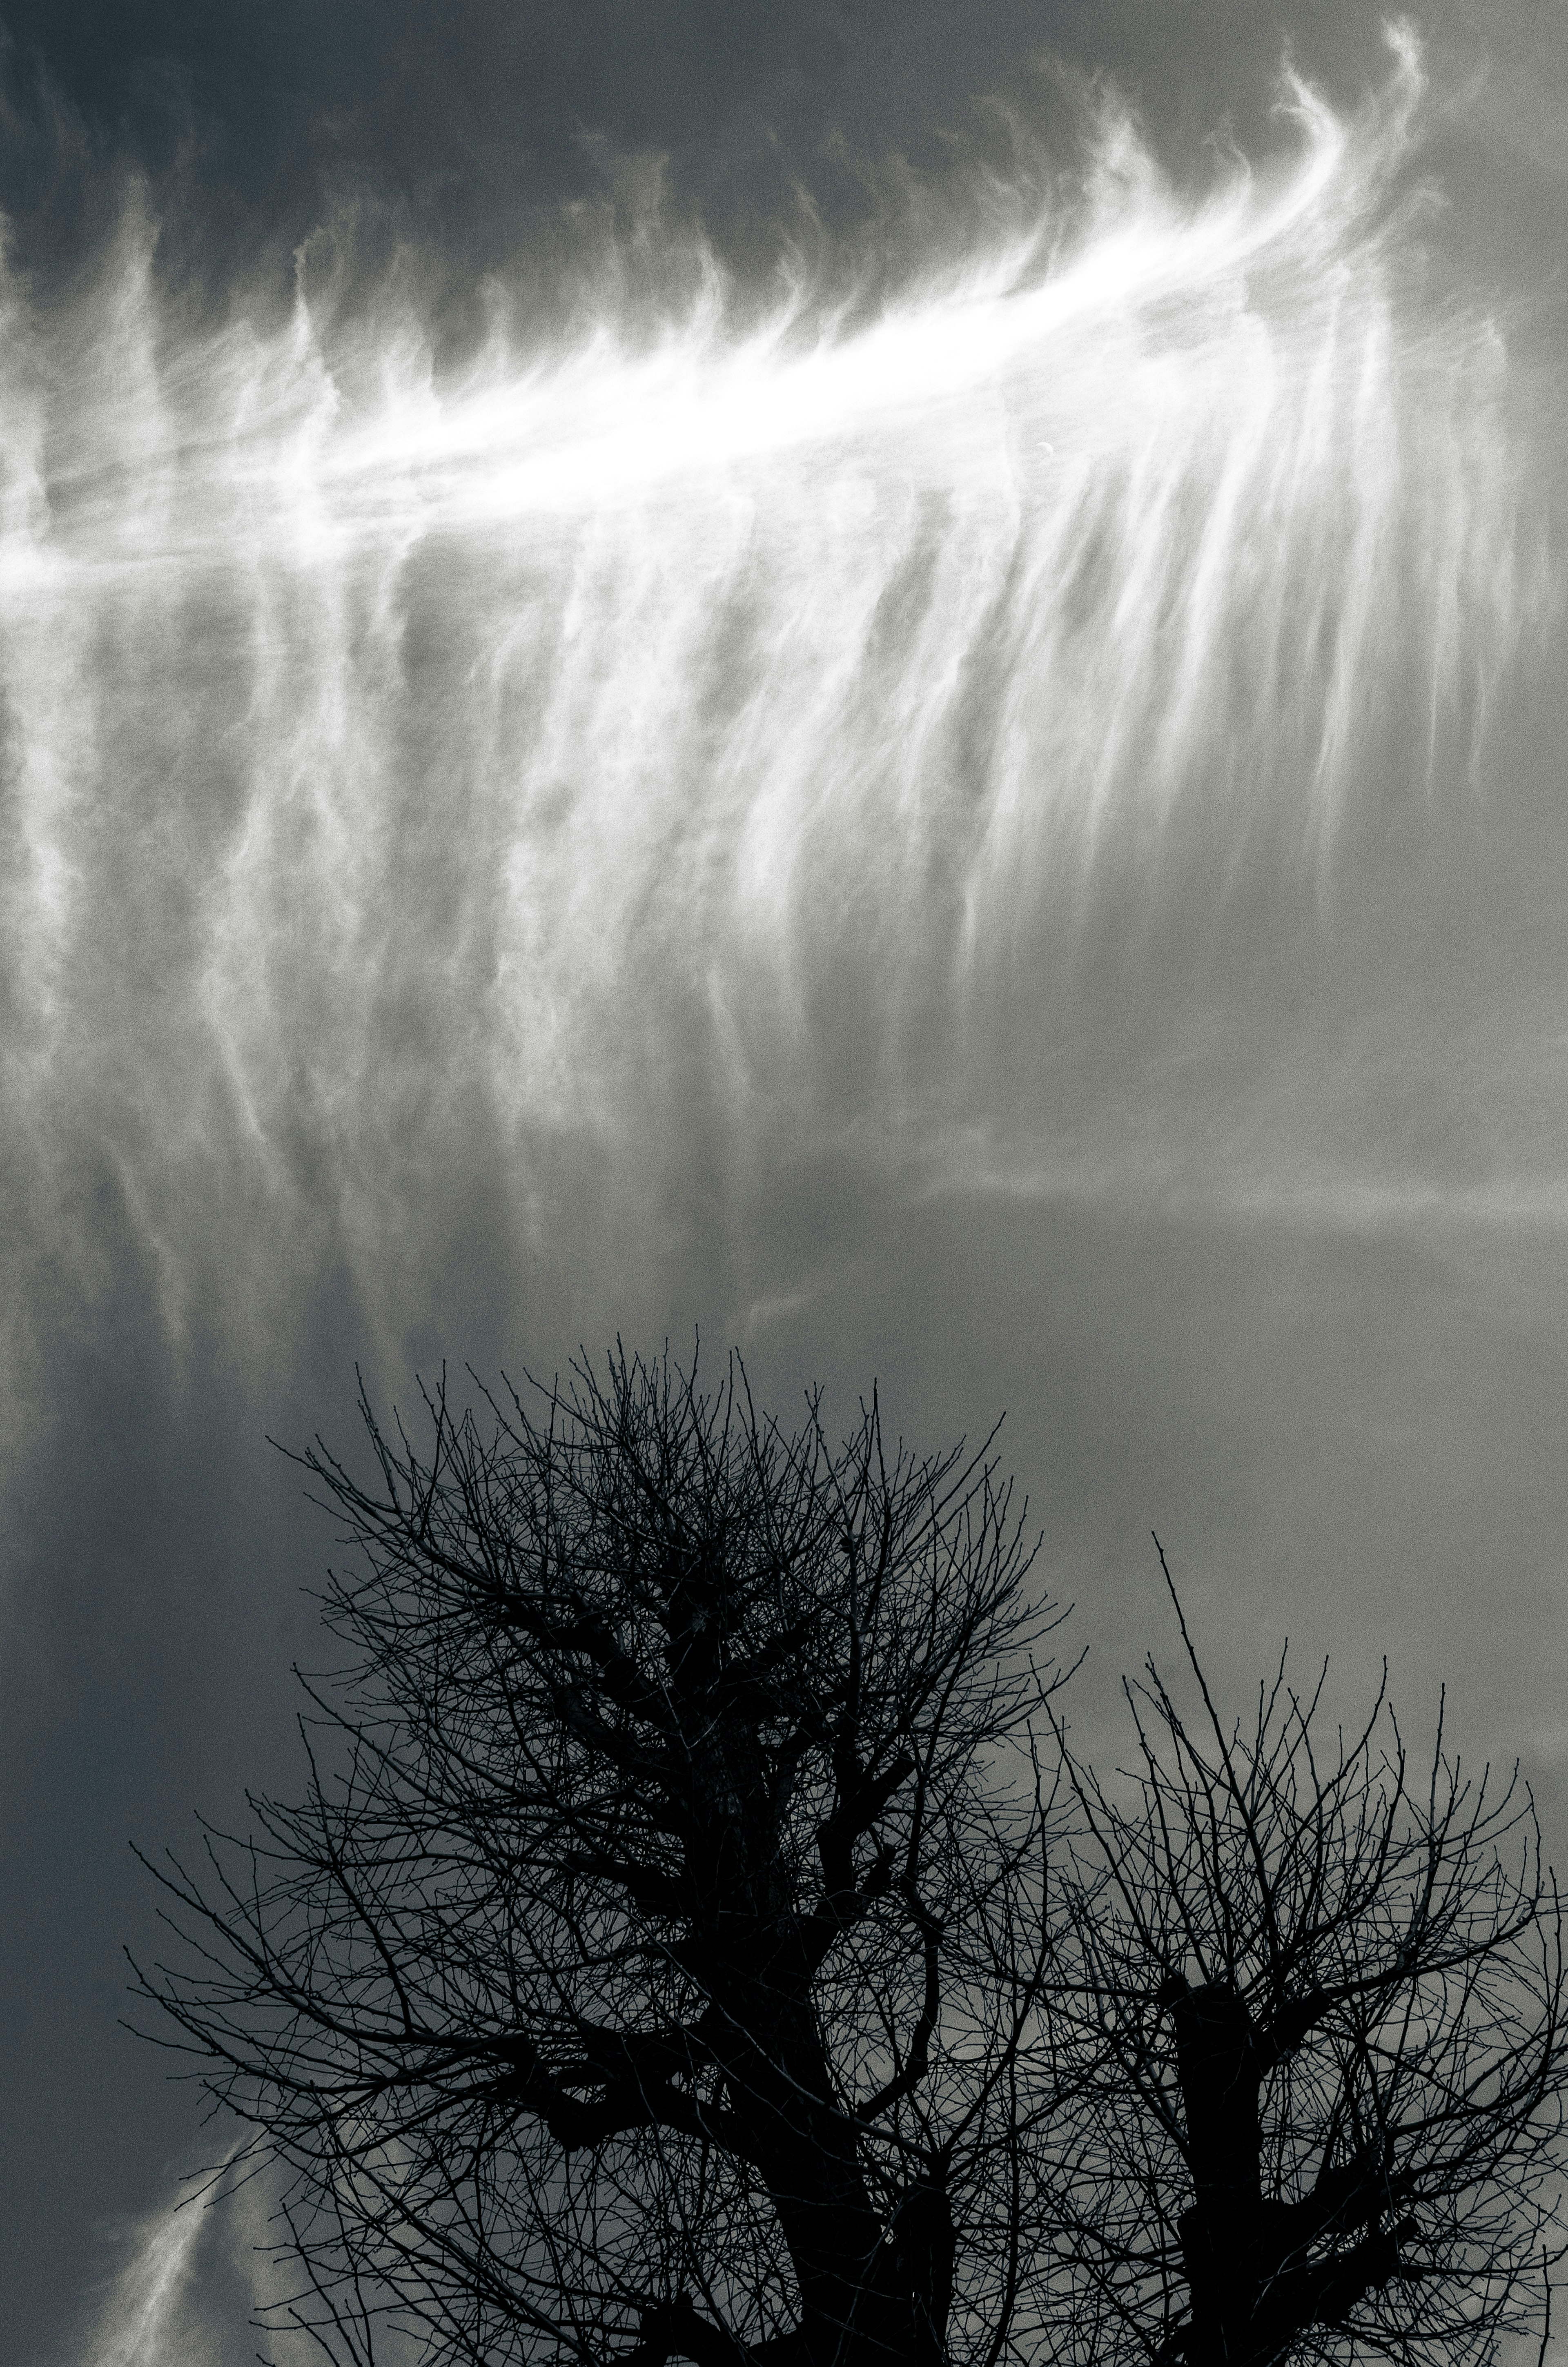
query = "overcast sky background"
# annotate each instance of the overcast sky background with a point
(886, 678)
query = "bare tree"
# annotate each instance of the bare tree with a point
(1319, 1997)
(652, 1966)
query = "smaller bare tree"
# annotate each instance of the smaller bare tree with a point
(1321, 2002)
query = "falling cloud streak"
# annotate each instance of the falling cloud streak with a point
(140, 2326)
(396, 752)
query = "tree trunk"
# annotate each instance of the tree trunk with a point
(1221, 2233)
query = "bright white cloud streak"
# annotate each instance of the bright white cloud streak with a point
(185, 2296)
(140, 2323)
(397, 758)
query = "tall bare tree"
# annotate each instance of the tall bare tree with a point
(653, 1966)
(1319, 1999)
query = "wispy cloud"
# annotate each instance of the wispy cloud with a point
(142, 2323)
(794, 686)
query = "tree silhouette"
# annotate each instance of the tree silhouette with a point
(699, 1939)
(1320, 2005)
(654, 1966)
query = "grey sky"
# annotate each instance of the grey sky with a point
(1215, 1131)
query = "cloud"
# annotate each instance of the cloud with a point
(144, 2324)
(706, 711)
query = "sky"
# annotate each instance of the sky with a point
(883, 684)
